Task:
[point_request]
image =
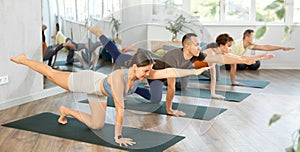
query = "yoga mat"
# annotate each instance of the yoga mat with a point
(192, 111)
(46, 123)
(226, 81)
(205, 93)
(64, 63)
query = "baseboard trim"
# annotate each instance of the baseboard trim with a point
(39, 95)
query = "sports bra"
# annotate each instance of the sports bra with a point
(107, 87)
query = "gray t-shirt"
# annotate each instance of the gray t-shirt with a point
(175, 59)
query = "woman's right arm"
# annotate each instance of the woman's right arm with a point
(116, 82)
(174, 72)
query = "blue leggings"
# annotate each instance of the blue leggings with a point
(156, 86)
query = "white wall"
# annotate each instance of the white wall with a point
(20, 32)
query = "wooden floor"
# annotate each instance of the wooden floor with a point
(243, 127)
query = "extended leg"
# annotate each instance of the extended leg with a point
(58, 77)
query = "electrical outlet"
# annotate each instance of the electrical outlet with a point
(4, 79)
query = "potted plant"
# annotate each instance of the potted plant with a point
(175, 26)
(115, 28)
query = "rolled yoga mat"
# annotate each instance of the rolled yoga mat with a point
(205, 93)
(46, 123)
(226, 81)
(192, 111)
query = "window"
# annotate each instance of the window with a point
(165, 9)
(70, 10)
(61, 8)
(237, 10)
(96, 8)
(270, 10)
(296, 11)
(111, 6)
(207, 10)
(82, 10)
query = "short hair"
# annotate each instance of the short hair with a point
(247, 33)
(212, 45)
(140, 58)
(223, 39)
(187, 37)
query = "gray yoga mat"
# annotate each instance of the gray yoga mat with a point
(192, 111)
(205, 93)
(46, 123)
(64, 63)
(226, 81)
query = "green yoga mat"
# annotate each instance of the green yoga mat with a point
(226, 81)
(46, 123)
(192, 111)
(205, 93)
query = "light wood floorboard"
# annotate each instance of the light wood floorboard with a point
(243, 127)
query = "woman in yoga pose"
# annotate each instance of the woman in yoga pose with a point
(97, 85)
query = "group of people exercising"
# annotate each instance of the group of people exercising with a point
(177, 63)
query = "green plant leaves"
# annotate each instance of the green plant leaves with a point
(280, 13)
(298, 147)
(272, 6)
(260, 32)
(274, 118)
(290, 149)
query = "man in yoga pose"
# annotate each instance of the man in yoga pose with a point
(177, 58)
(240, 47)
(117, 84)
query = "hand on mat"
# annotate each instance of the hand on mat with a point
(176, 113)
(237, 84)
(217, 96)
(201, 70)
(125, 141)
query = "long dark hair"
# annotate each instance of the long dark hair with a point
(140, 58)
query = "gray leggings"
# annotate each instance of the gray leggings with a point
(87, 81)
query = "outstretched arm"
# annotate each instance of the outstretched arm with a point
(271, 48)
(228, 59)
(174, 72)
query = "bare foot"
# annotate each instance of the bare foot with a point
(237, 84)
(70, 44)
(130, 47)
(18, 59)
(97, 31)
(62, 119)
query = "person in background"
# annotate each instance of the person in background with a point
(241, 46)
